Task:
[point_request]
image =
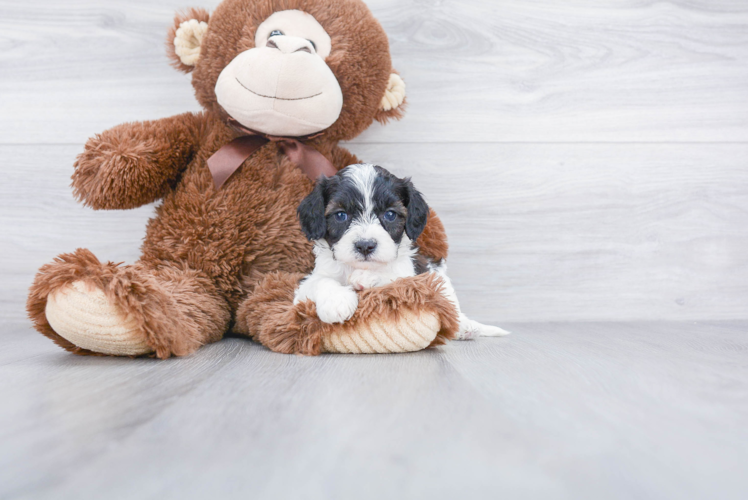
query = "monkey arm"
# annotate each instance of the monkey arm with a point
(135, 163)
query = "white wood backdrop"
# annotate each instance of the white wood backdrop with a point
(589, 158)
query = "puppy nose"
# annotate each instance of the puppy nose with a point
(290, 44)
(365, 247)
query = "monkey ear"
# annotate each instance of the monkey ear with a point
(311, 212)
(392, 105)
(185, 38)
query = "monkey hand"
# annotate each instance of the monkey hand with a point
(135, 163)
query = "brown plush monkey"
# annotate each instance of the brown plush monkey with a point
(224, 252)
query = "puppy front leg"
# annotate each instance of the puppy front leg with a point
(335, 303)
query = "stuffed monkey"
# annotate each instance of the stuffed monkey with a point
(281, 82)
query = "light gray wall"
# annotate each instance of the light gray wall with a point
(587, 157)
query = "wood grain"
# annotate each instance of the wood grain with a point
(537, 232)
(476, 70)
(40, 219)
(588, 232)
(588, 160)
(620, 411)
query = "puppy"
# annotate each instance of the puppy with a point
(364, 222)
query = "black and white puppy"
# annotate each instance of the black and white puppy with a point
(364, 222)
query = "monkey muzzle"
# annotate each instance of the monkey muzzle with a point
(284, 88)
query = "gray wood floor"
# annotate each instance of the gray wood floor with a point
(589, 160)
(563, 410)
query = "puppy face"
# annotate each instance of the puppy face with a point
(365, 214)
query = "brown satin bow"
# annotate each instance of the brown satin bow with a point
(230, 157)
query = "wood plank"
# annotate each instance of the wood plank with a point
(554, 411)
(545, 71)
(586, 232)
(476, 70)
(72, 70)
(40, 219)
(538, 232)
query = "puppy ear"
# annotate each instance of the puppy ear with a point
(418, 212)
(392, 106)
(185, 38)
(311, 212)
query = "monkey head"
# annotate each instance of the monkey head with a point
(290, 67)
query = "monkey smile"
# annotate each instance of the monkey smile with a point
(298, 97)
(276, 97)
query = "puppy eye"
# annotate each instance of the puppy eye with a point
(275, 33)
(390, 215)
(314, 45)
(341, 216)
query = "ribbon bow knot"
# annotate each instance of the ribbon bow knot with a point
(227, 160)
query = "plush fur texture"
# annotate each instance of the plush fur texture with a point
(209, 253)
(270, 309)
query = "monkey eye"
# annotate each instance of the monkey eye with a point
(390, 215)
(275, 33)
(341, 216)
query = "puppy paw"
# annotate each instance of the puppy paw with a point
(337, 306)
(362, 279)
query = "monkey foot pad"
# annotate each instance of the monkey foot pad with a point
(415, 331)
(84, 316)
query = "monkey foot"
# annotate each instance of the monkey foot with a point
(411, 332)
(407, 315)
(84, 316)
